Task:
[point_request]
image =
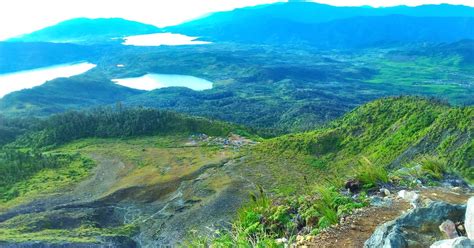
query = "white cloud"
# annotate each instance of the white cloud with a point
(23, 16)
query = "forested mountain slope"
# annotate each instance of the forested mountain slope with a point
(388, 133)
(404, 142)
(17, 56)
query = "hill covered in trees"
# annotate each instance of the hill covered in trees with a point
(390, 133)
(118, 122)
(88, 31)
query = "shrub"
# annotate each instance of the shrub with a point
(433, 166)
(369, 174)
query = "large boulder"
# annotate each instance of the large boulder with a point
(415, 227)
(460, 242)
(469, 222)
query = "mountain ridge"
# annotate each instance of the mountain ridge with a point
(303, 22)
(88, 31)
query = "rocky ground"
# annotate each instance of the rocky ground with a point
(163, 206)
(356, 229)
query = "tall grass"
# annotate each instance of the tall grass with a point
(434, 166)
(370, 174)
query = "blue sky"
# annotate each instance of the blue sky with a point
(23, 16)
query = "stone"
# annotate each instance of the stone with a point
(410, 196)
(469, 222)
(461, 229)
(377, 201)
(460, 242)
(449, 228)
(406, 229)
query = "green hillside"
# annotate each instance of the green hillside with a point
(393, 141)
(389, 133)
(96, 157)
(400, 141)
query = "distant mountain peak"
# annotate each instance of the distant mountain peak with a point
(88, 31)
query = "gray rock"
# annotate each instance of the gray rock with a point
(378, 201)
(449, 228)
(406, 229)
(410, 196)
(388, 235)
(469, 222)
(460, 242)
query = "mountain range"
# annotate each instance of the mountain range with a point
(338, 27)
(322, 123)
(314, 24)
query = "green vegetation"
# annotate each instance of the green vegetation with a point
(135, 149)
(120, 122)
(261, 221)
(82, 234)
(254, 87)
(85, 160)
(375, 144)
(371, 175)
(381, 133)
(392, 140)
(24, 175)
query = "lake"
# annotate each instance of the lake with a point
(162, 39)
(15, 81)
(156, 81)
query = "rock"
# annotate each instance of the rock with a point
(469, 222)
(460, 242)
(410, 196)
(387, 236)
(353, 185)
(386, 192)
(380, 202)
(407, 229)
(281, 241)
(460, 228)
(449, 228)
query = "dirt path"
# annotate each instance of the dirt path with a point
(357, 228)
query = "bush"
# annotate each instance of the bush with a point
(433, 166)
(369, 174)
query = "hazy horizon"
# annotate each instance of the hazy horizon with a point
(159, 14)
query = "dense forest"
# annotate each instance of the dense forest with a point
(17, 166)
(116, 122)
